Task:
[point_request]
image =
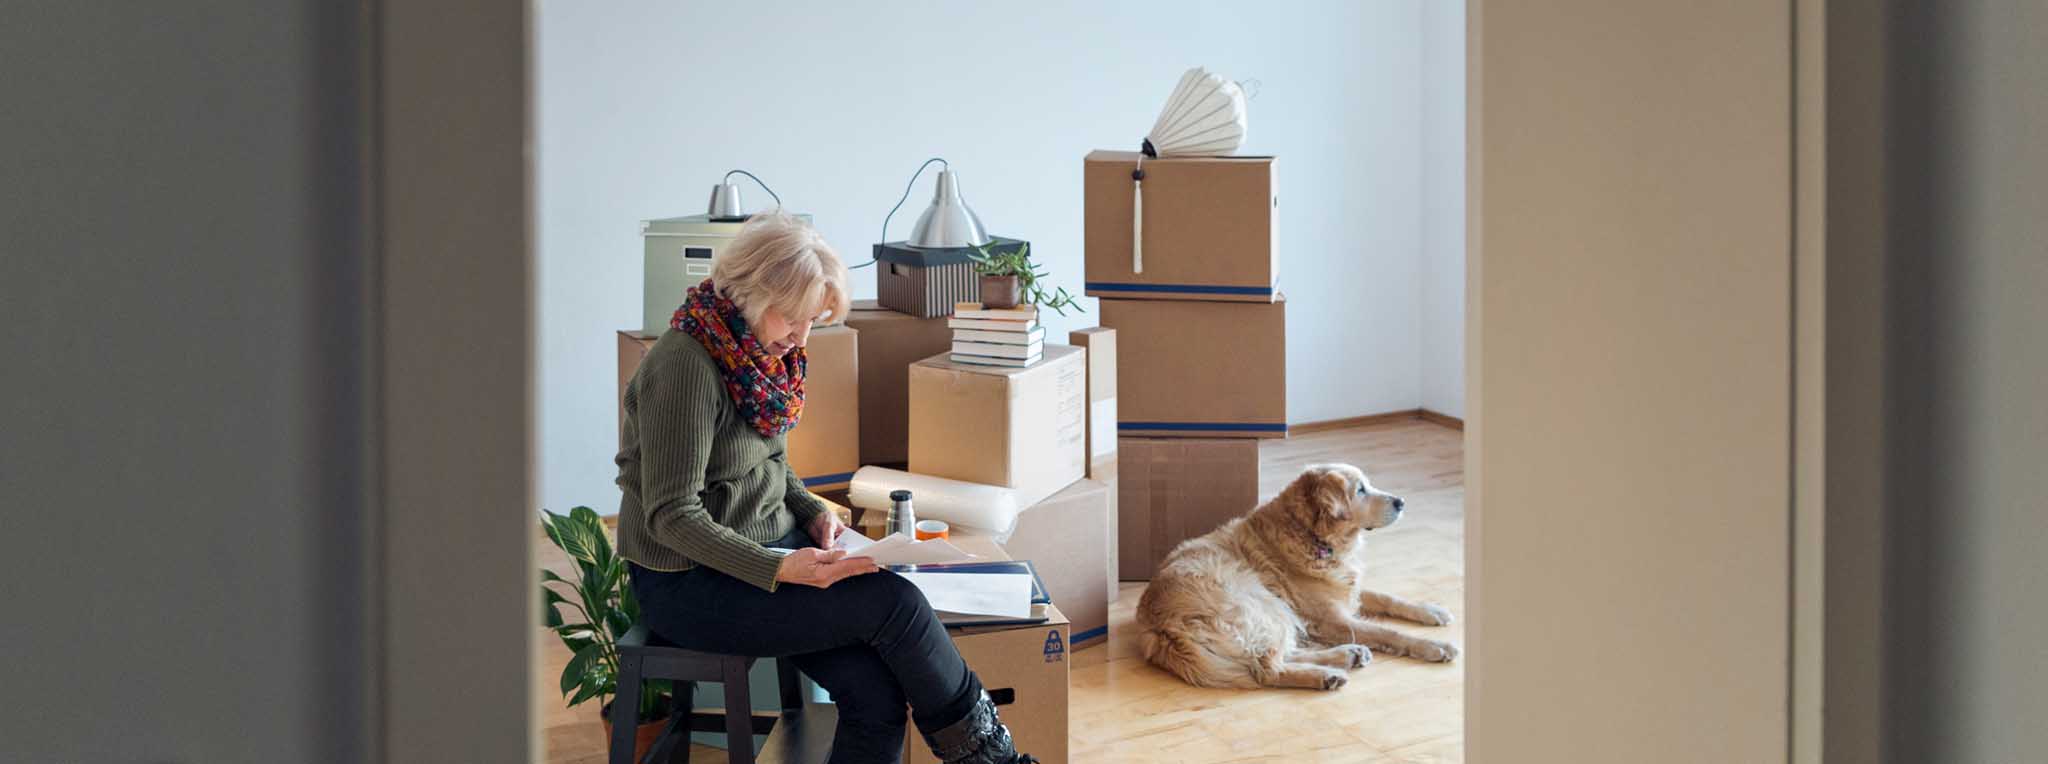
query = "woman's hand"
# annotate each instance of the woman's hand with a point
(822, 568)
(825, 529)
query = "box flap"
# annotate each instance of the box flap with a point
(1108, 155)
(1052, 353)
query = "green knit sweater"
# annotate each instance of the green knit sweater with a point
(701, 485)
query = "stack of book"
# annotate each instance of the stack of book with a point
(996, 336)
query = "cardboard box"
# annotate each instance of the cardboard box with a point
(1174, 489)
(1067, 538)
(889, 343)
(1021, 428)
(824, 449)
(1024, 669)
(1104, 471)
(1101, 344)
(1200, 369)
(1102, 437)
(632, 349)
(1210, 230)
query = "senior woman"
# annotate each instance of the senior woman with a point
(709, 496)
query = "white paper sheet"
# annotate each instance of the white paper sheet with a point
(852, 541)
(998, 594)
(898, 549)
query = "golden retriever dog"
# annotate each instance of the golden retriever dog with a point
(1273, 599)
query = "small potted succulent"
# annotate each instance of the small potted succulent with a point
(1010, 278)
(604, 609)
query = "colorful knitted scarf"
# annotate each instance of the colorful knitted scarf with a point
(769, 391)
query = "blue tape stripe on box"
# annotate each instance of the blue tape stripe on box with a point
(1083, 636)
(1201, 426)
(828, 479)
(1110, 286)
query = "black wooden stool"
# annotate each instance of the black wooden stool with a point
(644, 656)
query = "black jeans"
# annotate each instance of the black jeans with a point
(872, 641)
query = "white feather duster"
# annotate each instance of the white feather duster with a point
(1205, 116)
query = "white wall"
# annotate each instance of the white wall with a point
(642, 106)
(1442, 296)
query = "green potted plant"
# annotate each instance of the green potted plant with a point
(604, 609)
(1010, 278)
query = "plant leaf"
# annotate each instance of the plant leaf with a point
(551, 616)
(618, 623)
(552, 524)
(577, 644)
(586, 692)
(578, 670)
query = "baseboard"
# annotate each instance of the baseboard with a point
(1441, 418)
(1349, 422)
(1405, 415)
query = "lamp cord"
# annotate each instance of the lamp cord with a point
(900, 200)
(757, 182)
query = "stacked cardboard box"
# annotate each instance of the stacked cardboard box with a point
(1100, 342)
(890, 342)
(1201, 331)
(1028, 429)
(1174, 489)
(996, 336)
(1020, 428)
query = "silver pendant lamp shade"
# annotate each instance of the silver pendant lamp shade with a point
(948, 222)
(725, 198)
(725, 201)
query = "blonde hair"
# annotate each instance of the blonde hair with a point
(778, 261)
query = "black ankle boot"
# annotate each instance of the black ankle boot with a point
(980, 738)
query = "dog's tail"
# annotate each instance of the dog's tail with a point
(1193, 661)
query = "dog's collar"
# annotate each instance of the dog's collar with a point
(1323, 551)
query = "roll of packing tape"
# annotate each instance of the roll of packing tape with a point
(932, 529)
(959, 503)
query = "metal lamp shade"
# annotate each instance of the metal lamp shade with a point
(725, 201)
(948, 222)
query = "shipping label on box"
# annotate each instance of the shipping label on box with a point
(1209, 225)
(1020, 428)
(1200, 369)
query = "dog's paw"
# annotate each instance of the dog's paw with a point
(1360, 655)
(1433, 651)
(1333, 679)
(1432, 614)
